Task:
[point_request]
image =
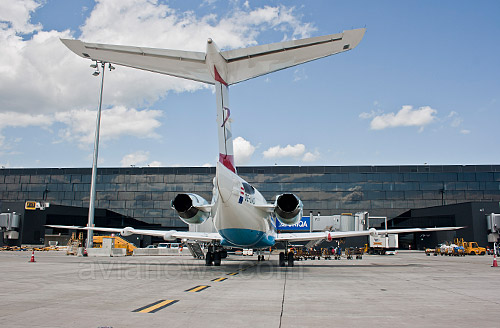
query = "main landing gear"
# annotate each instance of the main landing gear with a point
(290, 258)
(214, 255)
(260, 256)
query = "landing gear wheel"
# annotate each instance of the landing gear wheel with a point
(209, 259)
(290, 259)
(217, 258)
(282, 259)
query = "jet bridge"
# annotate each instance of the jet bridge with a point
(9, 225)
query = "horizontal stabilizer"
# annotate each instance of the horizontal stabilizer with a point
(234, 65)
(247, 63)
(186, 64)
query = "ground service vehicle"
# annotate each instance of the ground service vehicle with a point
(381, 244)
(471, 247)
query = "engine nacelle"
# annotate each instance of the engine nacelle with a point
(128, 231)
(168, 235)
(288, 209)
(185, 205)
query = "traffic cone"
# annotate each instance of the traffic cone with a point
(32, 257)
(495, 264)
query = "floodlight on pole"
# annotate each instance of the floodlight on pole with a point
(90, 224)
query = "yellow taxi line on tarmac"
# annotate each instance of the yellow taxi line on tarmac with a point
(161, 304)
(156, 306)
(197, 289)
(219, 279)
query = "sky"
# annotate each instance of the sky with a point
(423, 86)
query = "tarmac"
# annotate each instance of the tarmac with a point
(409, 289)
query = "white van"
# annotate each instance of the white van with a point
(169, 245)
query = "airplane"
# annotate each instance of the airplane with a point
(241, 215)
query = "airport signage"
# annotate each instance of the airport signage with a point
(303, 225)
(30, 206)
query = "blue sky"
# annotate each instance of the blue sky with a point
(423, 85)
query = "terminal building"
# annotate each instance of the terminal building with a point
(141, 196)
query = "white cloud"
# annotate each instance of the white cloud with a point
(155, 164)
(311, 156)
(13, 119)
(407, 116)
(456, 120)
(115, 122)
(17, 14)
(139, 158)
(464, 131)
(243, 151)
(22, 120)
(288, 151)
(366, 115)
(299, 74)
(135, 159)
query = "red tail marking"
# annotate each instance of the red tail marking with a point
(218, 78)
(227, 161)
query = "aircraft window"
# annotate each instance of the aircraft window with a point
(347, 46)
(248, 189)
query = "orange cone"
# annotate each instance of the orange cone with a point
(32, 257)
(495, 264)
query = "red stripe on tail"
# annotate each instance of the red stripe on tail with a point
(218, 78)
(227, 161)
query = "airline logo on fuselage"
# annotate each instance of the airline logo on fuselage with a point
(244, 197)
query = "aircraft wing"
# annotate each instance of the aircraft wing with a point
(247, 63)
(186, 64)
(328, 235)
(165, 234)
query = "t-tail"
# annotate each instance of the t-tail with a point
(221, 68)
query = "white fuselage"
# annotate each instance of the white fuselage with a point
(236, 217)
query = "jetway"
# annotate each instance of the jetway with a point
(9, 225)
(343, 222)
(493, 225)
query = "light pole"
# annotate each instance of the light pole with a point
(90, 224)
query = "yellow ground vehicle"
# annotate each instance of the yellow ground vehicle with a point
(118, 242)
(471, 247)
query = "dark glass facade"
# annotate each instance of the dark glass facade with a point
(145, 193)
